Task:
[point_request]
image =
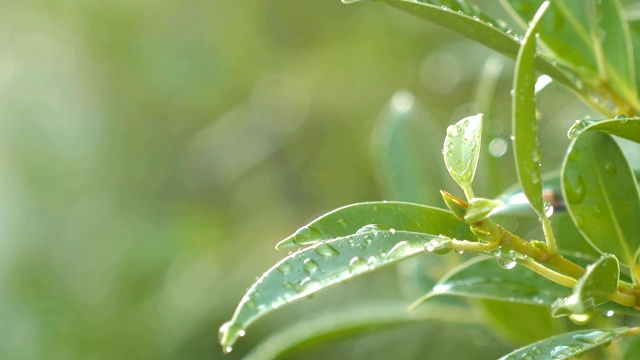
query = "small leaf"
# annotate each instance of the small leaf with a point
(567, 345)
(349, 219)
(597, 285)
(462, 149)
(327, 263)
(403, 157)
(628, 128)
(474, 24)
(602, 196)
(480, 209)
(484, 278)
(525, 125)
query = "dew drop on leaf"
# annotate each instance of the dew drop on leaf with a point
(452, 130)
(343, 223)
(506, 264)
(284, 268)
(326, 250)
(580, 319)
(358, 265)
(310, 266)
(548, 208)
(611, 169)
(306, 235)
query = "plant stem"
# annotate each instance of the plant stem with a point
(552, 248)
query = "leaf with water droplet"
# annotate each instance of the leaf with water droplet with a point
(310, 270)
(596, 287)
(462, 149)
(480, 209)
(404, 159)
(589, 184)
(628, 128)
(388, 214)
(525, 145)
(567, 345)
(483, 278)
(476, 25)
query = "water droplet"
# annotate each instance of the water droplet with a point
(372, 228)
(536, 350)
(592, 337)
(548, 208)
(228, 334)
(325, 249)
(526, 356)
(512, 137)
(611, 169)
(506, 264)
(392, 231)
(358, 265)
(574, 186)
(535, 177)
(561, 351)
(498, 147)
(597, 211)
(621, 117)
(535, 156)
(460, 252)
(250, 303)
(579, 127)
(306, 235)
(310, 266)
(452, 130)
(368, 240)
(581, 319)
(343, 223)
(610, 313)
(284, 268)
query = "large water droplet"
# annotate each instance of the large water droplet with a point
(535, 156)
(306, 235)
(621, 117)
(372, 228)
(581, 319)
(358, 265)
(326, 250)
(562, 351)
(310, 266)
(506, 264)
(579, 127)
(593, 337)
(535, 177)
(452, 130)
(536, 350)
(284, 268)
(548, 208)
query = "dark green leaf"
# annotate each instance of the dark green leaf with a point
(349, 219)
(567, 345)
(484, 278)
(461, 150)
(601, 193)
(402, 153)
(597, 286)
(525, 125)
(628, 128)
(309, 270)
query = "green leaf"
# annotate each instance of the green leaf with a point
(589, 37)
(471, 22)
(308, 270)
(597, 286)
(602, 196)
(480, 208)
(462, 149)
(349, 219)
(567, 345)
(628, 128)
(403, 157)
(525, 125)
(353, 320)
(484, 278)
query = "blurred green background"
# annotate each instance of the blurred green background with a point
(153, 152)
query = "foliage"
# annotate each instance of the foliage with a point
(579, 268)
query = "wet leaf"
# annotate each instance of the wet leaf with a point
(323, 264)
(480, 208)
(525, 124)
(471, 22)
(484, 278)
(628, 128)
(462, 149)
(349, 219)
(601, 193)
(594, 288)
(567, 345)
(403, 156)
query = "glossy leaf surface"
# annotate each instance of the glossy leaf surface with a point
(525, 124)
(601, 193)
(567, 345)
(628, 128)
(403, 155)
(485, 278)
(349, 219)
(594, 288)
(480, 208)
(471, 22)
(462, 149)
(308, 270)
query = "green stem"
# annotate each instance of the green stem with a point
(552, 248)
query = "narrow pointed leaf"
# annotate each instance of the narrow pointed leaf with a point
(628, 128)
(309, 270)
(352, 321)
(567, 345)
(597, 286)
(462, 149)
(483, 278)
(480, 209)
(471, 22)
(403, 156)
(525, 125)
(602, 196)
(349, 219)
